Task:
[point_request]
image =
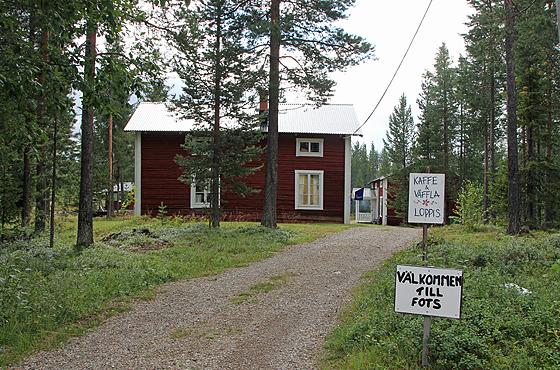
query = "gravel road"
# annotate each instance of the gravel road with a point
(205, 323)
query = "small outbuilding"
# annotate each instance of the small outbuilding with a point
(363, 201)
(382, 196)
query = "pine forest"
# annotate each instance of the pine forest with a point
(462, 128)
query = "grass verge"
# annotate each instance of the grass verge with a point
(501, 327)
(48, 295)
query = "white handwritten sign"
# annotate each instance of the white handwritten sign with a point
(426, 198)
(428, 291)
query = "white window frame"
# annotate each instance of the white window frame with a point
(309, 140)
(321, 189)
(194, 203)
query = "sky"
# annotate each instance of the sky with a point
(389, 26)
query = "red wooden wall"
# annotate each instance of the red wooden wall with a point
(160, 184)
(160, 174)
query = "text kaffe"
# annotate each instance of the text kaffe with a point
(425, 180)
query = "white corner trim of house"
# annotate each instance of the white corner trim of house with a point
(138, 174)
(347, 177)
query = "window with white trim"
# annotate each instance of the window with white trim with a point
(200, 194)
(306, 147)
(309, 189)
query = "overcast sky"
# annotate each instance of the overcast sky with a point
(389, 25)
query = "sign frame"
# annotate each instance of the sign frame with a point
(431, 312)
(427, 191)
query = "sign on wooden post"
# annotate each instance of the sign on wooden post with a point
(426, 198)
(428, 291)
(426, 205)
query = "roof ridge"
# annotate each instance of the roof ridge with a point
(311, 104)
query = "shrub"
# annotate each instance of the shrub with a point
(470, 204)
(510, 312)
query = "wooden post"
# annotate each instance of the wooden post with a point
(425, 244)
(425, 338)
(427, 319)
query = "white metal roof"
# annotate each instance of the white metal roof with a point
(293, 118)
(326, 119)
(157, 117)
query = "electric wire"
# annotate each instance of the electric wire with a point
(398, 68)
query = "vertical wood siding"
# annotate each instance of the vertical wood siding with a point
(160, 173)
(160, 184)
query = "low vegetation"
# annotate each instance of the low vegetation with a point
(510, 313)
(47, 295)
(272, 283)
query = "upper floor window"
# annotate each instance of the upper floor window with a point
(309, 147)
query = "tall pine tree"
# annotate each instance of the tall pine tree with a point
(398, 144)
(306, 45)
(216, 66)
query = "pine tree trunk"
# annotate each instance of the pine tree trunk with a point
(446, 149)
(540, 175)
(110, 161)
(492, 135)
(41, 184)
(549, 199)
(40, 190)
(215, 183)
(486, 202)
(513, 181)
(271, 180)
(462, 143)
(492, 132)
(85, 211)
(530, 175)
(2, 197)
(558, 18)
(26, 187)
(53, 182)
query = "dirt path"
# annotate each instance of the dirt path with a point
(218, 322)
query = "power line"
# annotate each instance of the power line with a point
(398, 67)
(519, 12)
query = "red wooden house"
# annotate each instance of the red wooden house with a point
(314, 152)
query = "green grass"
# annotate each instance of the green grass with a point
(48, 295)
(263, 287)
(499, 329)
(202, 331)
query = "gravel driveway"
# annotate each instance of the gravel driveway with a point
(208, 323)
